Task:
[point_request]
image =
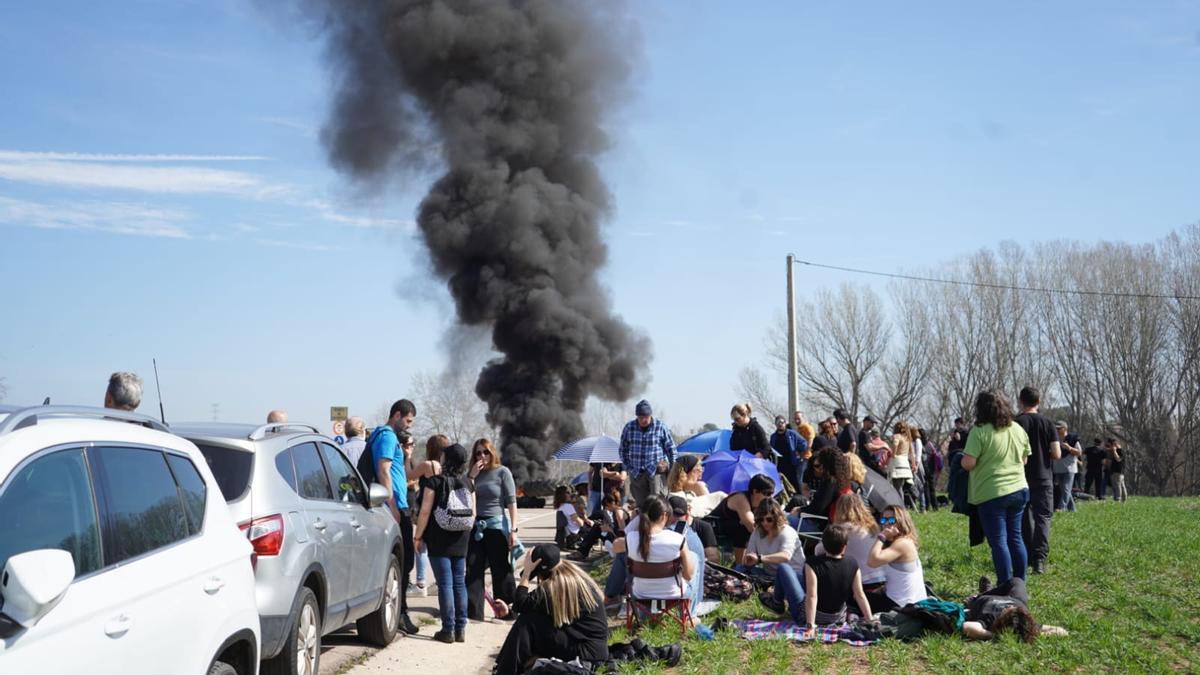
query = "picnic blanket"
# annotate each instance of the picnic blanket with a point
(756, 629)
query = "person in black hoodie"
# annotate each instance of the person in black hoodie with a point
(562, 618)
(747, 433)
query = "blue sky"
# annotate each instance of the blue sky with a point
(163, 192)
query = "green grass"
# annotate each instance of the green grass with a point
(1123, 579)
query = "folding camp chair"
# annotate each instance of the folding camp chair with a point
(655, 609)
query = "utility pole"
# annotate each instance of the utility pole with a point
(793, 388)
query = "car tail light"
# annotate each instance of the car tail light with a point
(265, 534)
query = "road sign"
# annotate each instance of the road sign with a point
(338, 413)
(339, 428)
(340, 440)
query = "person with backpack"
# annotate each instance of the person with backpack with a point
(447, 517)
(383, 462)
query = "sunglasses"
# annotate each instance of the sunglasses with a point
(768, 519)
(481, 453)
(887, 521)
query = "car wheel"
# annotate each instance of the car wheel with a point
(301, 651)
(222, 668)
(379, 627)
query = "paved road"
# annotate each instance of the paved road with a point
(342, 653)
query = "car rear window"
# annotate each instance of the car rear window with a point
(231, 467)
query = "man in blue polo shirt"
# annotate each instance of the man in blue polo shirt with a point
(388, 454)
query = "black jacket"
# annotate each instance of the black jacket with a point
(750, 438)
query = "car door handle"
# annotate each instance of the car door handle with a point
(118, 626)
(214, 585)
(319, 525)
(355, 524)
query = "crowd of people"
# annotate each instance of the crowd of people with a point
(814, 544)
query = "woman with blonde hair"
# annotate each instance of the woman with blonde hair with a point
(685, 477)
(899, 467)
(851, 511)
(747, 433)
(495, 531)
(895, 550)
(563, 618)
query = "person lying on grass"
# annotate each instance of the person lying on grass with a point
(1005, 607)
(831, 580)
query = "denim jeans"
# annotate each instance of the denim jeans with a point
(421, 563)
(451, 577)
(1001, 520)
(595, 498)
(789, 588)
(614, 587)
(695, 588)
(1064, 499)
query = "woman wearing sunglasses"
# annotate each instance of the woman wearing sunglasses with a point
(895, 550)
(495, 532)
(776, 547)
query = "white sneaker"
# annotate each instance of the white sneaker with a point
(417, 591)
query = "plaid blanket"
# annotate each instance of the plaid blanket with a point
(756, 629)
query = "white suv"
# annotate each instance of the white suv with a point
(118, 554)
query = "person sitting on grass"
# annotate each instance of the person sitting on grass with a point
(685, 477)
(1005, 607)
(562, 618)
(564, 503)
(831, 580)
(735, 514)
(851, 511)
(895, 550)
(832, 468)
(609, 525)
(774, 551)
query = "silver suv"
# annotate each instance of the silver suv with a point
(326, 552)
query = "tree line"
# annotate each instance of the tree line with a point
(1109, 331)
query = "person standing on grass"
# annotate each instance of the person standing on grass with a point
(932, 468)
(995, 456)
(831, 580)
(1065, 468)
(791, 447)
(1093, 480)
(1116, 468)
(647, 453)
(1039, 476)
(748, 434)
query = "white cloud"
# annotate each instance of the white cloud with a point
(330, 212)
(306, 130)
(23, 156)
(124, 176)
(112, 217)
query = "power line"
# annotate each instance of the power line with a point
(983, 284)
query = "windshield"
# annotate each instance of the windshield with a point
(231, 467)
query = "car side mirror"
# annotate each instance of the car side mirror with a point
(31, 584)
(378, 495)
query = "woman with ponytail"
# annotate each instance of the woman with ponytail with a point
(562, 618)
(652, 541)
(747, 433)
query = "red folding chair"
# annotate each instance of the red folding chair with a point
(653, 610)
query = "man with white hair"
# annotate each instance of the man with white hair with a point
(277, 417)
(124, 391)
(356, 429)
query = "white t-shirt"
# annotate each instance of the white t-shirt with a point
(786, 540)
(665, 546)
(917, 449)
(569, 511)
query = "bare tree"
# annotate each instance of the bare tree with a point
(447, 404)
(755, 389)
(606, 417)
(843, 345)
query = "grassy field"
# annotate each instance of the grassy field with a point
(1124, 579)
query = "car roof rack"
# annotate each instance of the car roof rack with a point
(27, 417)
(274, 428)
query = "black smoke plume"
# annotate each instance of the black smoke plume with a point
(510, 96)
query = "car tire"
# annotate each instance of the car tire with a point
(222, 668)
(379, 627)
(301, 653)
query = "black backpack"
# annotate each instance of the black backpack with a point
(366, 462)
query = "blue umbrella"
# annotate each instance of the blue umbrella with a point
(706, 443)
(581, 478)
(731, 471)
(593, 450)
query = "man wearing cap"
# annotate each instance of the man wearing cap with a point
(647, 452)
(679, 519)
(864, 434)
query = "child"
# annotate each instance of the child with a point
(831, 580)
